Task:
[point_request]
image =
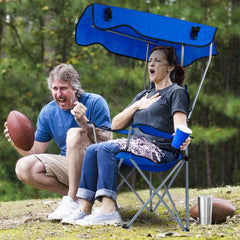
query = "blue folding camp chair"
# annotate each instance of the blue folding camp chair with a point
(142, 165)
(133, 34)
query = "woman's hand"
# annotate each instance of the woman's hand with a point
(125, 118)
(180, 118)
(183, 147)
(145, 102)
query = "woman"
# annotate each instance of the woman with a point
(164, 106)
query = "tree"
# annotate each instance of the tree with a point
(33, 41)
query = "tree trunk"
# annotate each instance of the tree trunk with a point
(207, 150)
(223, 163)
(2, 14)
(134, 178)
(195, 165)
(208, 166)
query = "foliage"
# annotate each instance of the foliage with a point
(38, 34)
(13, 191)
(212, 135)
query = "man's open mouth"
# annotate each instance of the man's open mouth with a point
(62, 100)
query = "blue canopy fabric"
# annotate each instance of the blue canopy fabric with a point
(128, 32)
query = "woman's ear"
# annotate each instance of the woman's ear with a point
(170, 68)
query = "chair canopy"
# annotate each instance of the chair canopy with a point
(133, 33)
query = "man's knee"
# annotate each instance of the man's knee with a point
(25, 167)
(77, 137)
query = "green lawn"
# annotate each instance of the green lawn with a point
(28, 220)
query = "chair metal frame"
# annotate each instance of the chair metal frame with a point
(173, 173)
(174, 168)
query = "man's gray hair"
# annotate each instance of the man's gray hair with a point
(66, 73)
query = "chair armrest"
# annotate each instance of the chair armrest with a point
(152, 131)
(144, 128)
(98, 134)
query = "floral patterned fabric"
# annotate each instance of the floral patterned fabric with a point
(141, 147)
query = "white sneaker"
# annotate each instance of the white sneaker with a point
(99, 218)
(76, 215)
(66, 208)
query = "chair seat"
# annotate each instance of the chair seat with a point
(144, 163)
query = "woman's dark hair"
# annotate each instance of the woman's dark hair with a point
(178, 73)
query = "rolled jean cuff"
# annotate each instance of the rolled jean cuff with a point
(86, 194)
(106, 193)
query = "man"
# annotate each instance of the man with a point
(65, 120)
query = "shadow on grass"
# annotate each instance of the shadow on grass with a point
(146, 218)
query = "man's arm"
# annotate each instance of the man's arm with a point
(38, 147)
(102, 135)
(79, 113)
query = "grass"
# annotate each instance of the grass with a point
(21, 220)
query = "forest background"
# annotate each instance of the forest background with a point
(36, 35)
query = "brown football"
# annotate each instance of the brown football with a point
(220, 210)
(21, 130)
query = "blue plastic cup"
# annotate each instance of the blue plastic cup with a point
(182, 133)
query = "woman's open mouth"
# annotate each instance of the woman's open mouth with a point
(151, 71)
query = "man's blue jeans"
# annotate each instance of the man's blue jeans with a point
(99, 172)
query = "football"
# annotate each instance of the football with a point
(21, 130)
(221, 209)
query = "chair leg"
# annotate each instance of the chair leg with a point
(120, 217)
(151, 204)
(124, 180)
(187, 196)
(155, 192)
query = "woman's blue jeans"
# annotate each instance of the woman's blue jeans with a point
(99, 172)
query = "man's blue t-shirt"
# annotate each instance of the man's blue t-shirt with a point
(54, 122)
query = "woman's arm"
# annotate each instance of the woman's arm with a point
(125, 118)
(180, 118)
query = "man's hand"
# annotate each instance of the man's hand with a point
(79, 113)
(7, 135)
